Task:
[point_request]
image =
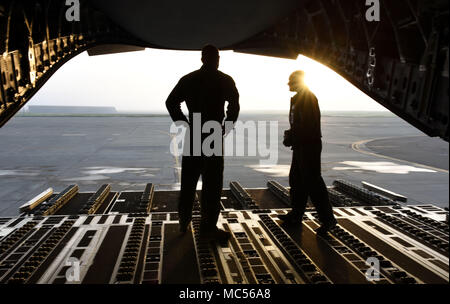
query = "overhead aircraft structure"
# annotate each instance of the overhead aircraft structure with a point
(396, 52)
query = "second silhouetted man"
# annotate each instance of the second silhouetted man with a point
(305, 138)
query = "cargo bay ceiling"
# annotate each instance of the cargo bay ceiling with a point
(401, 61)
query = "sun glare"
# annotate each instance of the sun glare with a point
(321, 79)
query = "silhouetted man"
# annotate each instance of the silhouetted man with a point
(304, 137)
(205, 92)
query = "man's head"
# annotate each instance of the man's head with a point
(296, 81)
(210, 56)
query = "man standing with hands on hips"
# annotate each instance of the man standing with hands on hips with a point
(305, 138)
(205, 92)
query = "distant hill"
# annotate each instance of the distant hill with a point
(70, 110)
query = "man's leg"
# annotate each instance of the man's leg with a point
(212, 178)
(318, 190)
(190, 173)
(298, 194)
(319, 197)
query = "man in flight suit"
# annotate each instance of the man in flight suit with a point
(304, 137)
(205, 92)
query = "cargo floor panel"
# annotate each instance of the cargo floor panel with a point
(120, 245)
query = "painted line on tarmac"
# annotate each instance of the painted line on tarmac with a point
(357, 147)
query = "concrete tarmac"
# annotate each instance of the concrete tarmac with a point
(128, 152)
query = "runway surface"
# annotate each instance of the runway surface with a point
(428, 151)
(128, 152)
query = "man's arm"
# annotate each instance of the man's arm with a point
(306, 127)
(312, 118)
(173, 103)
(233, 102)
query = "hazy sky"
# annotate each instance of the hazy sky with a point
(141, 81)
